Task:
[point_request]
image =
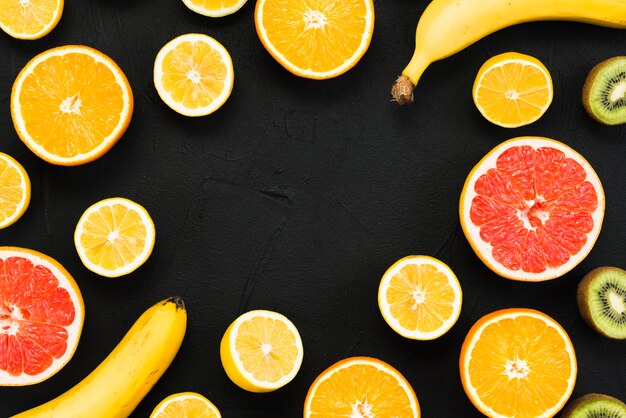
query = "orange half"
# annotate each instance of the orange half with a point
(30, 19)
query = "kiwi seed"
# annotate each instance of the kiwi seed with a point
(604, 92)
(595, 405)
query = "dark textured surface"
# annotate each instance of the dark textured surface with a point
(297, 195)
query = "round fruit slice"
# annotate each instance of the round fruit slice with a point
(193, 74)
(114, 237)
(532, 209)
(604, 92)
(361, 387)
(420, 297)
(185, 405)
(512, 90)
(261, 351)
(30, 19)
(594, 405)
(14, 190)
(518, 363)
(215, 8)
(602, 301)
(71, 104)
(41, 316)
(318, 40)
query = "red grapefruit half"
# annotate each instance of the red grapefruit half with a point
(41, 316)
(532, 209)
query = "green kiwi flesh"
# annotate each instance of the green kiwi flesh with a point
(595, 405)
(604, 92)
(602, 301)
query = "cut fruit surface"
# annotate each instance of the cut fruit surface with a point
(595, 405)
(41, 316)
(604, 92)
(420, 297)
(315, 39)
(14, 190)
(361, 387)
(512, 90)
(532, 209)
(518, 363)
(30, 19)
(185, 405)
(215, 8)
(193, 74)
(261, 351)
(114, 237)
(71, 104)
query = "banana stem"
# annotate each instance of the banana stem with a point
(402, 89)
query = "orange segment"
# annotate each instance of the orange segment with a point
(315, 38)
(14, 190)
(215, 8)
(361, 387)
(71, 104)
(518, 363)
(185, 405)
(30, 19)
(512, 90)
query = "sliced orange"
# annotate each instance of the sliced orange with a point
(315, 39)
(114, 237)
(193, 74)
(532, 209)
(518, 363)
(41, 316)
(185, 405)
(71, 104)
(512, 89)
(361, 387)
(14, 190)
(261, 351)
(30, 19)
(420, 297)
(215, 8)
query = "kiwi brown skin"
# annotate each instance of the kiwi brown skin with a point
(582, 296)
(572, 406)
(589, 82)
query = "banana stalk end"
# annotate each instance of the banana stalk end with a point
(402, 90)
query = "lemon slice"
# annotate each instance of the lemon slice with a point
(187, 405)
(215, 8)
(114, 237)
(193, 74)
(30, 19)
(261, 351)
(14, 190)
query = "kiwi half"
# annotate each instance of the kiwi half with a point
(594, 405)
(602, 301)
(604, 92)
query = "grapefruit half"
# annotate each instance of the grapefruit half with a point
(532, 209)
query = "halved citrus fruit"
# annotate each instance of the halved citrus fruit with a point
(215, 8)
(361, 387)
(41, 316)
(185, 405)
(14, 190)
(420, 297)
(261, 351)
(114, 237)
(532, 209)
(30, 19)
(71, 104)
(518, 363)
(193, 74)
(318, 40)
(512, 89)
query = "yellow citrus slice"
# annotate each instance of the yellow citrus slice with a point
(14, 190)
(114, 237)
(185, 405)
(361, 387)
(420, 297)
(532, 209)
(518, 363)
(261, 351)
(512, 90)
(315, 39)
(41, 316)
(215, 8)
(71, 104)
(30, 19)
(193, 74)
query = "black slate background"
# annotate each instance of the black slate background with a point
(297, 195)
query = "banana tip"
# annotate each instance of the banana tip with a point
(402, 91)
(177, 300)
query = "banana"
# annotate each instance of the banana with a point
(448, 26)
(120, 382)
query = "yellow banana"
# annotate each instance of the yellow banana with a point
(448, 26)
(120, 382)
